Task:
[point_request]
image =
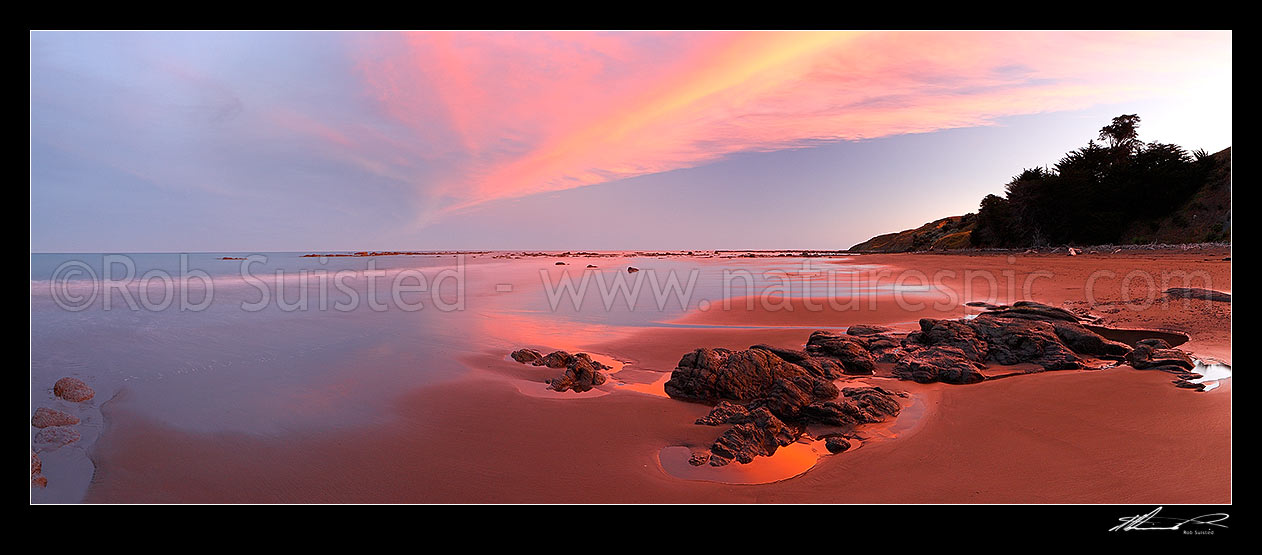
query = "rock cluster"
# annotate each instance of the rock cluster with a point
(581, 372)
(768, 395)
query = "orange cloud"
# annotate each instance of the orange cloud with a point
(525, 113)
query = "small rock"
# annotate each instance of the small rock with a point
(73, 389)
(45, 417)
(632, 269)
(527, 356)
(836, 444)
(698, 459)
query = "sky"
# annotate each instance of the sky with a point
(309, 141)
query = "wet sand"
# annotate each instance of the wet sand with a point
(1105, 436)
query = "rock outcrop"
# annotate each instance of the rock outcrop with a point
(768, 395)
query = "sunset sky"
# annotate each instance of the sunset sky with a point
(178, 142)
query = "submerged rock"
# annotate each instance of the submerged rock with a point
(73, 389)
(56, 436)
(46, 417)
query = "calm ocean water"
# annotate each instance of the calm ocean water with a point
(292, 343)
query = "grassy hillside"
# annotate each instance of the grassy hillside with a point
(952, 232)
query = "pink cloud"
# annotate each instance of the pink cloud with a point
(524, 113)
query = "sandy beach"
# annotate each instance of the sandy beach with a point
(1117, 435)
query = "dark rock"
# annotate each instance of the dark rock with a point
(556, 359)
(73, 389)
(753, 376)
(985, 305)
(958, 334)
(527, 356)
(1155, 343)
(1017, 340)
(939, 364)
(1197, 293)
(1084, 341)
(1189, 385)
(45, 417)
(1034, 311)
(725, 413)
(836, 444)
(1145, 357)
(632, 269)
(856, 405)
(581, 374)
(591, 265)
(867, 329)
(560, 264)
(698, 459)
(762, 435)
(850, 352)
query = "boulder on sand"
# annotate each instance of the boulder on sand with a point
(73, 389)
(45, 417)
(527, 356)
(581, 372)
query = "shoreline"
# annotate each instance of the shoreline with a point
(996, 433)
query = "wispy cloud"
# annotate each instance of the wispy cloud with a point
(524, 113)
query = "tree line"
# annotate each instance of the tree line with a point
(1093, 194)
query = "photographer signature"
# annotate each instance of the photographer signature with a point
(1151, 521)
